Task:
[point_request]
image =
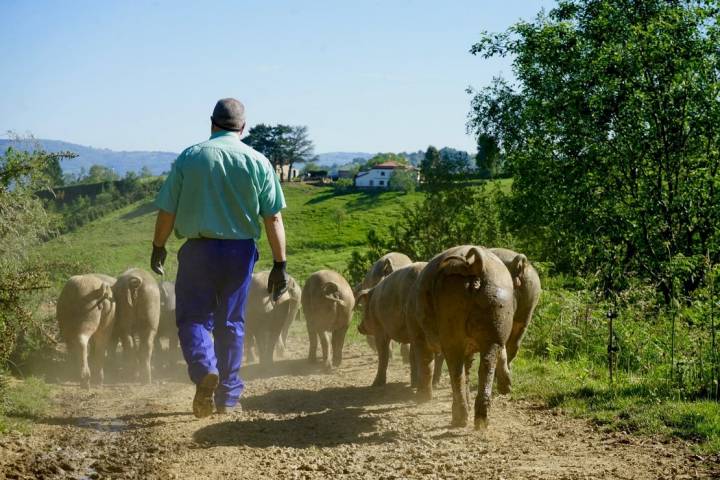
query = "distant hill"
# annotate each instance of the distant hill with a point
(341, 158)
(122, 161)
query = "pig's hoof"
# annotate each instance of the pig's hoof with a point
(423, 396)
(379, 382)
(481, 423)
(458, 423)
(504, 388)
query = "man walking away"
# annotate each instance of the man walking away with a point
(214, 196)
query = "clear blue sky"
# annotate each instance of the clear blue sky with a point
(363, 76)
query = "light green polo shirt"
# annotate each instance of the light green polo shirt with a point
(219, 189)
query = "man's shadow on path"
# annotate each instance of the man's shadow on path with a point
(295, 367)
(304, 418)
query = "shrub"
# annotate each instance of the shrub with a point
(343, 185)
(23, 223)
(402, 181)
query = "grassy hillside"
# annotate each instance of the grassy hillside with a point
(322, 231)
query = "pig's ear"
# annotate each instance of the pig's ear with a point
(517, 269)
(470, 264)
(134, 284)
(388, 267)
(363, 297)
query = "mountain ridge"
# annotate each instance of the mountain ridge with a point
(123, 161)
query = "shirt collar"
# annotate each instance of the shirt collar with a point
(222, 133)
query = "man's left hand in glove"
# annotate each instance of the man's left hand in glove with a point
(278, 280)
(157, 259)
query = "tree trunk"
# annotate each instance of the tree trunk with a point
(290, 171)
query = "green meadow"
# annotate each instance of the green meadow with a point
(322, 228)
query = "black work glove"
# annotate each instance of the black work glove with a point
(157, 260)
(278, 280)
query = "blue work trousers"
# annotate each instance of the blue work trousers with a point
(211, 290)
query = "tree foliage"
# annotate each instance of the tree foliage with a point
(611, 134)
(402, 181)
(23, 223)
(382, 158)
(488, 158)
(440, 167)
(299, 146)
(457, 162)
(444, 218)
(281, 144)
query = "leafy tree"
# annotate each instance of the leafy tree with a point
(382, 158)
(403, 181)
(433, 170)
(611, 134)
(310, 167)
(444, 218)
(145, 172)
(488, 156)
(261, 138)
(352, 168)
(270, 141)
(299, 146)
(456, 162)
(343, 185)
(414, 158)
(281, 144)
(54, 172)
(23, 223)
(100, 173)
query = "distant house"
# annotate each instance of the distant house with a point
(285, 172)
(311, 175)
(338, 174)
(379, 175)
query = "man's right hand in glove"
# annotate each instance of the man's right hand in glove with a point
(278, 280)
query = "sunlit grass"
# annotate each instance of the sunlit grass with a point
(632, 404)
(22, 401)
(322, 231)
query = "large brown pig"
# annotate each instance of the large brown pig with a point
(527, 293)
(86, 314)
(267, 322)
(463, 304)
(138, 314)
(327, 303)
(385, 265)
(384, 313)
(167, 327)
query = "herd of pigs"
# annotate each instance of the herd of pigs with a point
(464, 301)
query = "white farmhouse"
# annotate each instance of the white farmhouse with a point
(379, 175)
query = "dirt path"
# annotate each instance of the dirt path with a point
(302, 423)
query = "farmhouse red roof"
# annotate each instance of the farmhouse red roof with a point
(388, 165)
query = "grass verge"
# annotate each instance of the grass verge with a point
(647, 406)
(22, 401)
